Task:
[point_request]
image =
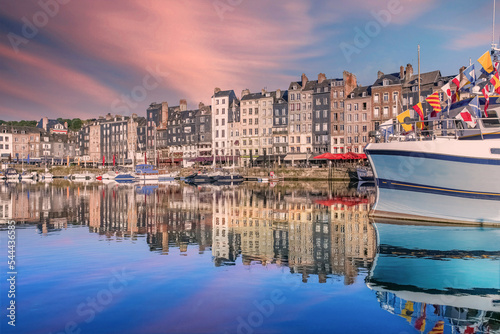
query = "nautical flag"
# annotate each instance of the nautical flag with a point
(470, 74)
(401, 119)
(103, 160)
(467, 118)
(485, 61)
(486, 93)
(460, 81)
(419, 110)
(433, 100)
(113, 159)
(455, 97)
(474, 105)
(447, 90)
(495, 65)
(438, 328)
(495, 81)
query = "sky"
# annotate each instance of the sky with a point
(88, 58)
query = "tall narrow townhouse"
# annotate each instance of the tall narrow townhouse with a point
(358, 118)
(386, 92)
(234, 132)
(250, 143)
(340, 89)
(280, 124)
(266, 125)
(321, 116)
(300, 120)
(221, 101)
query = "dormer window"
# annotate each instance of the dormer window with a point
(352, 95)
(385, 82)
(364, 94)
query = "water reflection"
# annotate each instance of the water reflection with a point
(314, 229)
(437, 279)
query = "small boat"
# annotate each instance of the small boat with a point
(199, 178)
(11, 174)
(364, 173)
(86, 176)
(227, 177)
(168, 176)
(145, 172)
(28, 175)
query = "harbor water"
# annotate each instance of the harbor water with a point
(253, 258)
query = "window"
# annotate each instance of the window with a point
(376, 98)
(356, 107)
(394, 111)
(325, 113)
(349, 107)
(376, 112)
(385, 82)
(325, 127)
(395, 96)
(386, 97)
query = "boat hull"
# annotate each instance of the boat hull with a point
(438, 180)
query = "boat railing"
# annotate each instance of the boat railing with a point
(433, 129)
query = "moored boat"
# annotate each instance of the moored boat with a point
(146, 172)
(453, 175)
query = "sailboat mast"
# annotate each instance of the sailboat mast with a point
(419, 98)
(493, 45)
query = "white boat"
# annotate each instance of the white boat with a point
(450, 175)
(162, 177)
(145, 172)
(11, 174)
(428, 274)
(28, 175)
(86, 176)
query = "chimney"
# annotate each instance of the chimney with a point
(409, 72)
(45, 123)
(278, 93)
(245, 92)
(304, 80)
(134, 116)
(321, 77)
(183, 105)
(216, 90)
(201, 105)
(380, 74)
(164, 114)
(263, 91)
(109, 117)
(401, 72)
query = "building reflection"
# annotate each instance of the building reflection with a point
(316, 233)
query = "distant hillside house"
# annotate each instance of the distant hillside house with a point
(53, 126)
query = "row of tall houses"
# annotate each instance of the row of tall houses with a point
(309, 118)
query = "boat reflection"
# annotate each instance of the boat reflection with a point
(441, 279)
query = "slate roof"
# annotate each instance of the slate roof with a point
(393, 78)
(358, 92)
(51, 123)
(251, 96)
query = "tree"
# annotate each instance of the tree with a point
(76, 124)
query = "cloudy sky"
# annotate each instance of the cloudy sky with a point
(85, 58)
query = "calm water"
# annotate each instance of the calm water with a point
(257, 258)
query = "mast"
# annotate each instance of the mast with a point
(493, 45)
(419, 73)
